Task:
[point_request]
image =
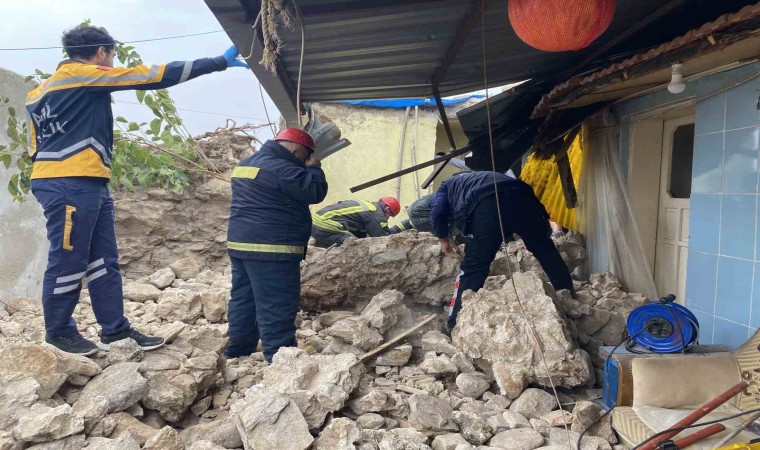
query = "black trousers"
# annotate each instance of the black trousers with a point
(523, 214)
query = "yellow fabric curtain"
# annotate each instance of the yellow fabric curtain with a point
(543, 176)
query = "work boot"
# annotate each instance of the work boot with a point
(75, 344)
(145, 342)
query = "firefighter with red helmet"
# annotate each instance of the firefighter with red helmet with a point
(269, 229)
(351, 219)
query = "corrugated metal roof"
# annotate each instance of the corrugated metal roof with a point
(368, 49)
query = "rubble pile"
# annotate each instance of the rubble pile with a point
(483, 389)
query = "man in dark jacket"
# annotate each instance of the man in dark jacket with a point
(350, 219)
(419, 219)
(267, 236)
(470, 200)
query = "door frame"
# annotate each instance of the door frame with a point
(645, 171)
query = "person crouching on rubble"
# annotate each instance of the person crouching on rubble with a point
(470, 200)
(71, 145)
(351, 219)
(269, 229)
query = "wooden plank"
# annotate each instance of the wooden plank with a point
(382, 347)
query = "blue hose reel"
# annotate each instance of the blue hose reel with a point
(662, 327)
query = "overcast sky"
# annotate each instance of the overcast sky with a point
(234, 92)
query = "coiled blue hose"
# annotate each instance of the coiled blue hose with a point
(664, 327)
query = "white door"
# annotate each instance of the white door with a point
(673, 217)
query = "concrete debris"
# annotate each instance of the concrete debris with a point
(483, 389)
(491, 328)
(267, 420)
(318, 384)
(339, 434)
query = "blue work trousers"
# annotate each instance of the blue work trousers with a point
(81, 231)
(521, 214)
(264, 301)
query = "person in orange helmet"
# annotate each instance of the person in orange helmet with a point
(351, 219)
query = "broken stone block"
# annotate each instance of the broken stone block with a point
(594, 322)
(43, 423)
(507, 420)
(491, 327)
(18, 393)
(395, 441)
(474, 428)
(125, 350)
(339, 434)
(214, 303)
(170, 331)
(472, 384)
(448, 441)
(204, 445)
(223, 433)
(76, 442)
(179, 305)
(519, 439)
(171, 395)
(397, 356)
(430, 413)
(356, 331)
(267, 420)
(435, 341)
(318, 384)
(186, 268)
(586, 414)
(116, 389)
(558, 436)
(163, 278)
(375, 400)
(438, 365)
(384, 309)
(534, 403)
(126, 424)
(463, 363)
(370, 421)
(36, 361)
(411, 263)
(104, 427)
(558, 418)
(165, 439)
(141, 293)
(330, 318)
(123, 442)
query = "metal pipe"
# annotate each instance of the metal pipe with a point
(449, 134)
(699, 435)
(696, 415)
(414, 149)
(736, 432)
(419, 166)
(401, 143)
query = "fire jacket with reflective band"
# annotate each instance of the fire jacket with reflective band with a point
(69, 115)
(359, 217)
(271, 194)
(457, 197)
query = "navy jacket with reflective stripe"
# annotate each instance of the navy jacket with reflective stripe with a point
(457, 197)
(271, 194)
(69, 117)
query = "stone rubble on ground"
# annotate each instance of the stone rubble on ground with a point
(483, 389)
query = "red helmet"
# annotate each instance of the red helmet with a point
(393, 204)
(297, 136)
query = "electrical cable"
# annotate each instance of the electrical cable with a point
(263, 102)
(501, 224)
(300, 67)
(197, 111)
(119, 42)
(696, 425)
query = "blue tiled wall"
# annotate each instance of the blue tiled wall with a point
(723, 272)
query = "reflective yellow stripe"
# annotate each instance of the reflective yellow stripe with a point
(365, 206)
(384, 224)
(265, 248)
(245, 172)
(68, 224)
(329, 225)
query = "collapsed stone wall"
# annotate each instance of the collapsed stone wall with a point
(155, 227)
(427, 391)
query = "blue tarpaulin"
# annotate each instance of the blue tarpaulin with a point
(404, 102)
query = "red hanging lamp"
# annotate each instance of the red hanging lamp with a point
(560, 25)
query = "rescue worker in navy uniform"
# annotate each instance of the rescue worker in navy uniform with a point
(470, 200)
(419, 219)
(70, 127)
(351, 219)
(269, 229)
